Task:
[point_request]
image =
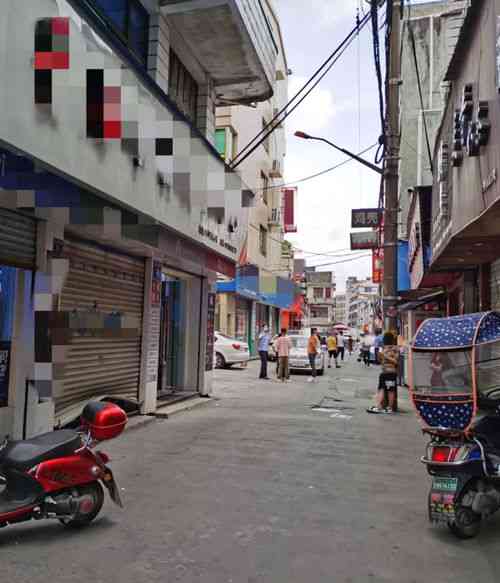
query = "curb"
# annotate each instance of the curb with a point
(169, 410)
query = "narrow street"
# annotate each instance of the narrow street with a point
(255, 486)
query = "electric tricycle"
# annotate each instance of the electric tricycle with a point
(455, 388)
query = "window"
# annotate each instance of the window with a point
(220, 141)
(263, 240)
(131, 21)
(226, 142)
(328, 292)
(318, 293)
(265, 187)
(319, 312)
(182, 88)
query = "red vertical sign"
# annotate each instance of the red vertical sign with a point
(289, 210)
(377, 265)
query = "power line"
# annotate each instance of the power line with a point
(342, 261)
(346, 161)
(339, 51)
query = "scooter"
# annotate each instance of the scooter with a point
(58, 475)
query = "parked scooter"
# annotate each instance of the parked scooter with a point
(58, 475)
(455, 387)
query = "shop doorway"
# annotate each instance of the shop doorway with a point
(179, 341)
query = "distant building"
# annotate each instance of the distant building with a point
(361, 300)
(320, 295)
(340, 309)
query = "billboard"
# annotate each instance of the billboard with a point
(364, 240)
(362, 218)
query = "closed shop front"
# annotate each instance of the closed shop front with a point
(17, 239)
(103, 295)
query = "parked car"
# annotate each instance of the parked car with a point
(299, 359)
(229, 351)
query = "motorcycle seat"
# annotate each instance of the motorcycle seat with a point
(23, 455)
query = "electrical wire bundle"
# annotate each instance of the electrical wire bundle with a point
(298, 98)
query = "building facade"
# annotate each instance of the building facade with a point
(116, 211)
(263, 286)
(362, 297)
(320, 298)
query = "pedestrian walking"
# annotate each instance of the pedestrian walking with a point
(263, 349)
(313, 348)
(277, 357)
(387, 383)
(350, 345)
(340, 345)
(379, 345)
(283, 346)
(331, 343)
(365, 349)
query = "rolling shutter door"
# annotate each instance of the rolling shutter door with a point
(103, 365)
(17, 240)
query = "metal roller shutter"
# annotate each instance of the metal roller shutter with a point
(17, 240)
(101, 366)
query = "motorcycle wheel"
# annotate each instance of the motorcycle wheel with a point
(91, 501)
(467, 523)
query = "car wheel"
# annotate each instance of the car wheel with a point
(220, 361)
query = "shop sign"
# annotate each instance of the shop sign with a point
(209, 356)
(361, 218)
(364, 240)
(156, 284)
(377, 265)
(4, 371)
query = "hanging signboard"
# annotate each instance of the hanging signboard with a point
(378, 265)
(364, 240)
(362, 218)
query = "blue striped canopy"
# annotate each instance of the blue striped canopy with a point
(458, 331)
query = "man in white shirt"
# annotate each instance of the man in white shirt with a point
(340, 344)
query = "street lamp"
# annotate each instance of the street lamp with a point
(305, 136)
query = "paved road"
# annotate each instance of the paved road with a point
(258, 487)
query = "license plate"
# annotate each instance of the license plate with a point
(441, 484)
(111, 485)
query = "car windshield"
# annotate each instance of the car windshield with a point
(441, 372)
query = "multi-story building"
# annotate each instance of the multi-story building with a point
(116, 210)
(320, 296)
(263, 285)
(361, 301)
(341, 308)
(462, 245)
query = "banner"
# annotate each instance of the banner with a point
(378, 265)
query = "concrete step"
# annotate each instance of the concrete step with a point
(169, 410)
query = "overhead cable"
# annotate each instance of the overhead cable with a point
(270, 127)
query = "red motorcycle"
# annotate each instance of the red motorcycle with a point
(57, 474)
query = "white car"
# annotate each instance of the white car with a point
(299, 359)
(229, 351)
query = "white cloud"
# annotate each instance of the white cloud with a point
(315, 112)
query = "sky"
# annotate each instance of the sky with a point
(342, 108)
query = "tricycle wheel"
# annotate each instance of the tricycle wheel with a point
(467, 523)
(90, 501)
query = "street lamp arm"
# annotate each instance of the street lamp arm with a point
(373, 167)
(351, 155)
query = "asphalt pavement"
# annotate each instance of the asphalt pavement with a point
(261, 486)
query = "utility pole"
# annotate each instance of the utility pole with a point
(391, 171)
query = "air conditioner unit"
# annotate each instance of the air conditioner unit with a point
(275, 217)
(277, 170)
